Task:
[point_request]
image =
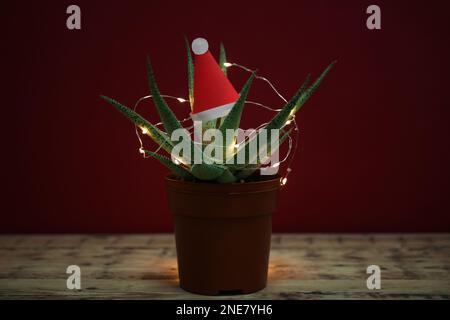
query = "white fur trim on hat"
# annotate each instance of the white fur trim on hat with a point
(214, 113)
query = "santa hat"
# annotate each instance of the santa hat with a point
(214, 95)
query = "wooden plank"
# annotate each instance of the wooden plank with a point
(302, 266)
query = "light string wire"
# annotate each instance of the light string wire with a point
(292, 147)
(144, 131)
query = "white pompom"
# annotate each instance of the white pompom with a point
(200, 46)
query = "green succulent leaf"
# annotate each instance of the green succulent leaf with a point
(174, 168)
(249, 170)
(210, 124)
(222, 58)
(157, 135)
(190, 65)
(168, 118)
(297, 101)
(207, 172)
(233, 119)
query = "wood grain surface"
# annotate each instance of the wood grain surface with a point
(302, 266)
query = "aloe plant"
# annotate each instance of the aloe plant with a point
(228, 171)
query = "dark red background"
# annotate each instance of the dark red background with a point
(374, 150)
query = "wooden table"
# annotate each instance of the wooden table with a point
(302, 266)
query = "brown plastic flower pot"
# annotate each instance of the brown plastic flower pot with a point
(222, 234)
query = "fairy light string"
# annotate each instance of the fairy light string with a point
(283, 179)
(292, 143)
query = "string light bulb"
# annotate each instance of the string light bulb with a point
(227, 64)
(176, 161)
(181, 100)
(144, 130)
(283, 181)
(141, 151)
(288, 122)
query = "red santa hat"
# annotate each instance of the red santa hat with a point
(214, 95)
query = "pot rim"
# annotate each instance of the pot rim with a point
(223, 188)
